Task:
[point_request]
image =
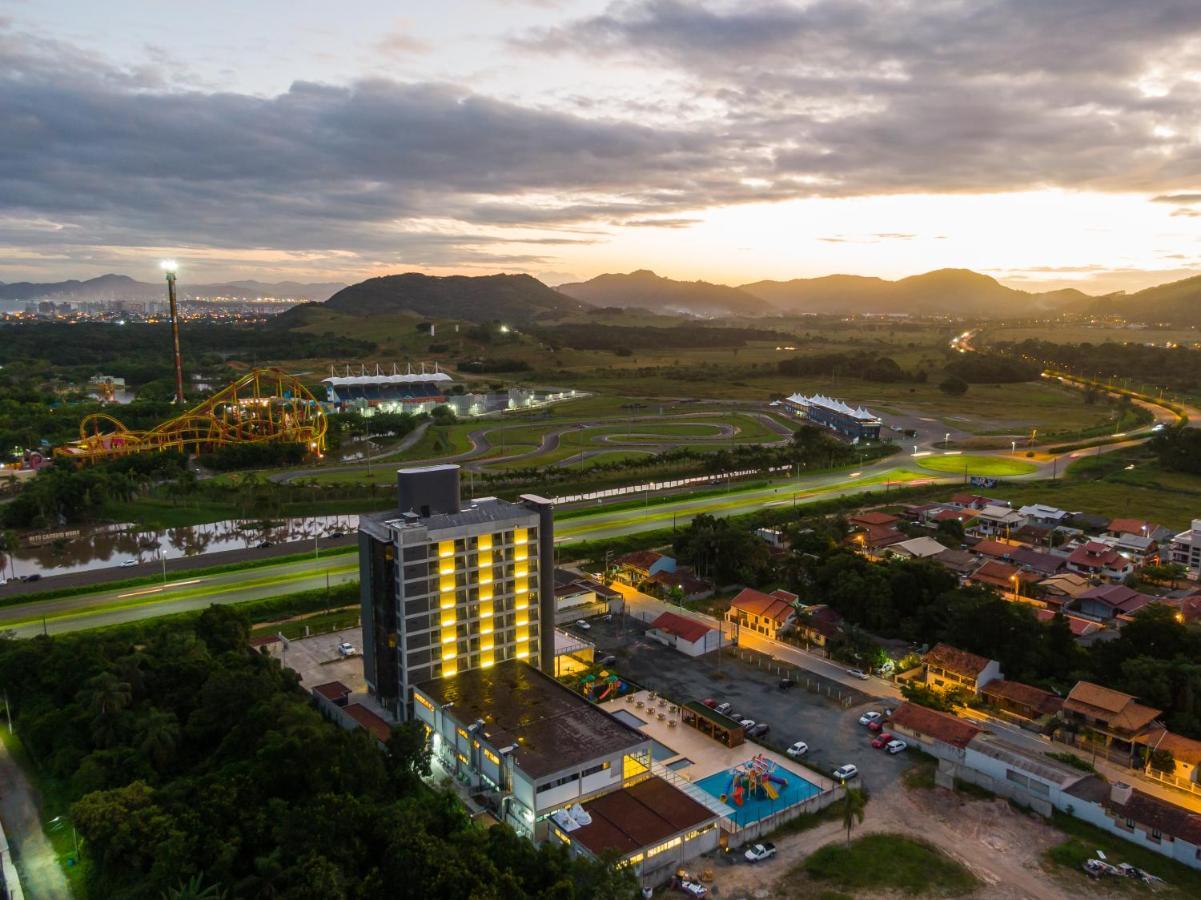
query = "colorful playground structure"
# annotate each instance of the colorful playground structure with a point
(599, 688)
(754, 778)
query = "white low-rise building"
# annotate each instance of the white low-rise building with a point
(1186, 549)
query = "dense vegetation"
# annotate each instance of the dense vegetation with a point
(510, 298)
(596, 336)
(1174, 368)
(197, 763)
(1179, 449)
(984, 368)
(853, 365)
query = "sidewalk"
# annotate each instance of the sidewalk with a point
(41, 876)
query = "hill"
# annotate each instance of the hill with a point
(941, 292)
(122, 287)
(1178, 302)
(653, 292)
(483, 298)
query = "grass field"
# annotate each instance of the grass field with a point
(889, 862)
(990, 466)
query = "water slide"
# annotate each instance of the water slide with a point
(770, 790)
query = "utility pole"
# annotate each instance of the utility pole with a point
(169, 267)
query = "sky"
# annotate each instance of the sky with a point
(1048, 144)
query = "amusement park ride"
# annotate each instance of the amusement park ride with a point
(263, 406)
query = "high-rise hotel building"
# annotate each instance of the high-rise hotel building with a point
(447, 587)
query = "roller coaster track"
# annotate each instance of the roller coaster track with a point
(263, 406)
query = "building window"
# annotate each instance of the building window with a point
(1156, 835)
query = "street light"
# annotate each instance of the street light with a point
(169, 267)
(1013, 446)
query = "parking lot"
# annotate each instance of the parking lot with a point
(317, 660)
(833, 733)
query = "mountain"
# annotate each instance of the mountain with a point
(650, 291)
(122, 287)
(482, 298)
(1178, 302)
(941, 292)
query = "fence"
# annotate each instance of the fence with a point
(1172, 781)
(753, 831)
(814, 684)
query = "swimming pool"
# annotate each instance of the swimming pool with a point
(755, 808)
(624, 715)
(659, 752)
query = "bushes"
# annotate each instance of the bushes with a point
(254, 456)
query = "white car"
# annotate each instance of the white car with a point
(846, 773)
(747, 724)
(896, 746)
(129, 562)
(693, 888)
(800, 748)
(583, 626)
(760, 852)
(858, 673)
(346, 649)
(868, 717)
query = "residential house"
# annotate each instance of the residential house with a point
(635, 568)
(1096, 560)
(1142, 551)
(993, 549)
(1090, 523)
(873, 519)
(766, 614)
(1041, 514)
(819, 624)
(1116, 718)
(948, 668)
(1121, 526)
(1186, 752)
(578, 596)
(1009, 580)
(1083, 630)
(1034, 535)
(997, 520)
(1022, 700)
(961, 562)
(1060, 590)
(690, 636)
(937, 733)
(1038, 562)
(963, 516)
(873, 538)
(1185, 549)
(1107, 601)
(1165, 828)
(973, 501)
(665, 584)
(915, 548)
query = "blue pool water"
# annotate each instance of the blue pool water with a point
(755, 808)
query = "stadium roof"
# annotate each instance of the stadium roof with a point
(862, 414)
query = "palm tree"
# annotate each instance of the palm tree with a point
(853, 803)
(107, 695)
(159, 731)
(195, 889)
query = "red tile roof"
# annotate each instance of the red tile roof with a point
(1096, 555)
(1132, 526)
(961, 515)
(1042, 702)
(378, 726)
(995, 549)
(1184, 750)
(640, 816)
(1120, 711)
(639, 559)
(955, 660)
(689, 629)
(332, 690)
(1079, 627)
(872, 517)
(1117, 597)
(1152, 813)
(1000, 575)
(757, 603)
(931, 723)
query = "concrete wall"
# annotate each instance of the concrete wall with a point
(1094, 814)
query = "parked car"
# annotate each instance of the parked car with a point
(881, 739)
(747, 724)
(868, 717)
(608, 660)
(583, 626)
(710, 702)
(787, 684)
(35, 576)
(846, 773)
(800, 748)
(877, 725)
(760, 852)
(723, 708)
(336, 534)
(263, 545)
(858, 673)
(346, 648)
(692, 888)
(896, 746)
(759, 730)
(125, 564)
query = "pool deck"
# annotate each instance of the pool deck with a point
(707, 755)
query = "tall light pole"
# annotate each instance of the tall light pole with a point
(169, 268)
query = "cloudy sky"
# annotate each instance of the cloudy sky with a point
(1046, 143)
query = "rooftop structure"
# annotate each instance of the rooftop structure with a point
(856, 423)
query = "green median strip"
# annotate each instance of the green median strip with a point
(146, 598)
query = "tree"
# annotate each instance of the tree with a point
(853, 803)
(159, 731)
(953, 386)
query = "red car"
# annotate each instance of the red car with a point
(709, 702)
(876, 725)
(881, 739)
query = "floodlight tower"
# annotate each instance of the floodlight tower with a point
(169, 267)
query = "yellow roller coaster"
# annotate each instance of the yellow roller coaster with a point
(263, 406)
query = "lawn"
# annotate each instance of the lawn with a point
(1084, 840)
(888, 862)
(316, 623)
(990, 466)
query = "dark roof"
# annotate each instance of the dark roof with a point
(377, 725)
(713, 715)
(825, 620)
(1117, 597)
(685, 581)
(478, 512)
(1153, 813)
(552, 727)
(1038, 561)
(956, 560)
(332, 690)
(931, 723)
(1043, 702)
(689, 629)
(643, 815)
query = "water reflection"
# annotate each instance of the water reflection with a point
(116, 544)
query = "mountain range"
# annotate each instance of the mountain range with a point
(122, 287)
(522, 298)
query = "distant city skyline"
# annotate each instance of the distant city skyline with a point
(1047, 145)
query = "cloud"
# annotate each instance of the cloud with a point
(1177, 198)
(681, 222)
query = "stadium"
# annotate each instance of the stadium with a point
(409, 392)
(858, 424)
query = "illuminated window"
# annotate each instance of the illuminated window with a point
(521, 570)
(522, 601)
(461, 732)
(523, 619)
(521, 586)
(520, 535)
(446, 567)
(447, 583)
(449, 670)
(483, 542)
(446, 548)
(491, 757)
(523, 653)
(449, 653)
(635, 764)
(462, 758)
(521, 554)
(420, 699)
(485, 558)
(667, 845)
